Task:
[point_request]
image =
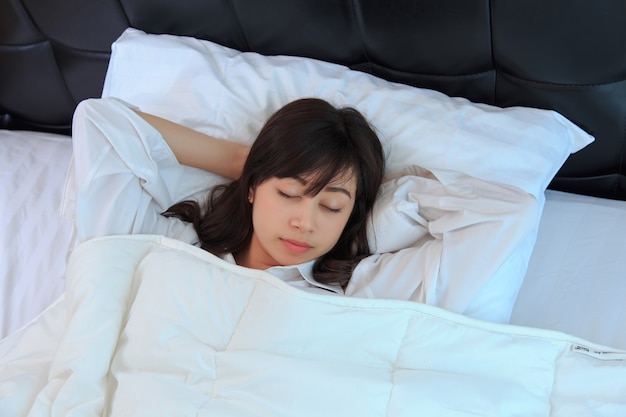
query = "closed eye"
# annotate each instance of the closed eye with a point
(285, 195)
(332, 210)
(293, 197)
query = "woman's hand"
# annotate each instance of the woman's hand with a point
(195, 149)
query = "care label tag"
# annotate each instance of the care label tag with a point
(599, 354)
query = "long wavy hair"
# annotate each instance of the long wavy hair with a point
(306, 138)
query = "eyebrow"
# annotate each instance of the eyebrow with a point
(333, 189)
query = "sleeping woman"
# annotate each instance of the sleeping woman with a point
(303, 194)
(305, 203)
(300, 196)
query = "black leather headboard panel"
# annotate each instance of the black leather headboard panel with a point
(566, 55)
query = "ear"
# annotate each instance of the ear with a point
(251, 195)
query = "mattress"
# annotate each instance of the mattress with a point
(574, 281)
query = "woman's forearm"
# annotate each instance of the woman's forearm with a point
(198, 150)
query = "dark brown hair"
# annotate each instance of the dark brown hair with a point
(306, 138)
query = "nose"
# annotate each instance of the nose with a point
(303, 217)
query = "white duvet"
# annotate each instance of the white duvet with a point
(142, 338)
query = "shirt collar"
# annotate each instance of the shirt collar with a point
(300, 275)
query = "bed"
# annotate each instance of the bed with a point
(525, 94)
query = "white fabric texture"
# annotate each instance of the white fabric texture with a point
(462, 236)
(143, 339)
(34, 238)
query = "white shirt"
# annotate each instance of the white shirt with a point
(472, 238)
(124, 175)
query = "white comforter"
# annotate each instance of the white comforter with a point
(144, 339)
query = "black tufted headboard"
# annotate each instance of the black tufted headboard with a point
(567, 55)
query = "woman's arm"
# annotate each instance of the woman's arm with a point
(198, 150)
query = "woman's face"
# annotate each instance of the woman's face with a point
(291, 227)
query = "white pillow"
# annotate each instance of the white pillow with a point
(230, 94)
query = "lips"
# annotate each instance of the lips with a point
(296, 246)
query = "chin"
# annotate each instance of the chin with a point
(289, 259)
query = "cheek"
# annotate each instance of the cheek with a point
(335, 225)
(347, 215)
(266, 211)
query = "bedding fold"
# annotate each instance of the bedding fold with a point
(143, 338)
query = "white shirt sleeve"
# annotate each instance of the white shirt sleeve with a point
(123, 175)
(476, 232)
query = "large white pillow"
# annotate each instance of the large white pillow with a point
(230, 94)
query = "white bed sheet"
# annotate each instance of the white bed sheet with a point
(34, 239)
(575, 281)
